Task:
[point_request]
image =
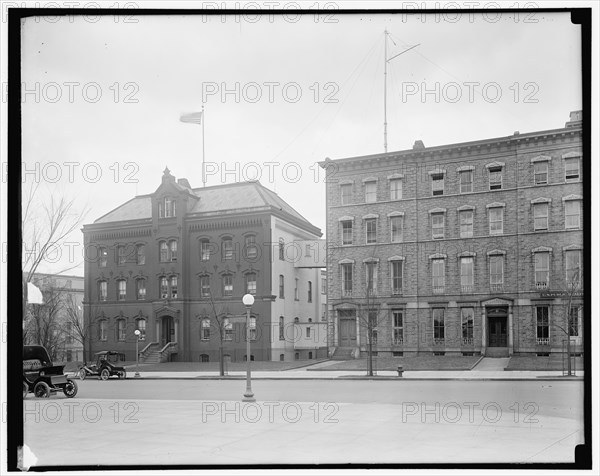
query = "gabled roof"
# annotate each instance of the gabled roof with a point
(235, 197)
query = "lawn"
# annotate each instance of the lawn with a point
(423, 362)
(214, 366)
(553, 362)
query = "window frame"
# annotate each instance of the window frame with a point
(467, 324)
(462, 223)
(466, 284)
(250, 290)
(437, 264)
(140, 254)
(569, 203)
(394, 278)
(493, 172)
(394, 221)
(573, 160)
(397, 330)
(537, 173)
(541, 284)
(396, 189)
(347, 230)
(370, 231)
(462, 175)
(491, 223)
(371, 191)
(439, 331)
(544, 324)
(435, 227)
(437, 179)
(537, 217)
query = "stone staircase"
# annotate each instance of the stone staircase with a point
(154, 354)
(343, 353)
(152, 357)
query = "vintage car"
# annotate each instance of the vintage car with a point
(43, 378)
(106, 366)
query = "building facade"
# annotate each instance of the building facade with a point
(175, 264)
(469, 248)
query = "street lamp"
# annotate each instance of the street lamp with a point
(248, 300)
(137, 354)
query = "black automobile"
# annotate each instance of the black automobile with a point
(41, 377)
(106, 366)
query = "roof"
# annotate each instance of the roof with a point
(228, 197)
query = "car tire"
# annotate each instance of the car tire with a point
(122, 374)
(70, 389)
(25, 390)
(82, 374)
(41, 390)
(105, 374)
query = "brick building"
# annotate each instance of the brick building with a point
(465, 248)
(175, 265)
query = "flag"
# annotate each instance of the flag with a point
(34, 295)
(192, 118)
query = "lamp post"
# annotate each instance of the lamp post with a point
(137, 354)
(248, 300)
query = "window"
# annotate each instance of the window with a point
(496, 218)
(140, 325)
(281, 329)
(572, 214)
(466, 318)
(347, 279)
(228, 328)
(141, 254)
(372, 326)
(121, 289)
(466, 223)
(252, 330)
(164, 288)
(204, 249)
(437, 226)
(122, 258)
(204, 358)
(438, 326)
(102, 329)
(167, 208)
(281, 287)
(540, 173)
(542, 325)
(396, 229)
(140, 289)
(437, 184)
(466, 274)
(574, 321)
(495, 177)
(466, 181)
(173, 287)
(438, 273)
(251, 249)
(371, 230)
(161, 212)
(323, 312)
(395, 189)
(281, 357)
(323, 285)
(347, 232)
(572, 169)
(296, 292)
(281, 249)
(102, 290)
(167, 202)
(542, 270)
(103, 257)
(164, 251)
(346, 193)
(496, 272)
(251, 283)
(173, 249)
(398, 327)
(227, 248)
(573, 267)
(396, 270)
(370, 192)
(227, 285)
(371, 278)
(308, 332)
(310, 291)
(205, 286)
(121, 330)
(540, 216)
(205, 329)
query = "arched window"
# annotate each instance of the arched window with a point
(173, 250)
(102, 329)
(204, 358)
(205, 286)
(102, 257)
(251, 283)
(281, 249)
(141, 254)
(227, 248)
(140, 325)
(252, 333)
(121, 330)
(204, 249)
(228, 327)
(140, 285)
(121, 289)
(164, 251)
(251, 249)
(173, 287)
(205, 332)
(102, 291)
(281, 330)
(164, 288)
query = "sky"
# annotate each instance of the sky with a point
(280, 93)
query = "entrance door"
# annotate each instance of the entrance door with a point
(167, 331)
(497, 332)
(347, 333)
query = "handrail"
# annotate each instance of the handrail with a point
(146, 348)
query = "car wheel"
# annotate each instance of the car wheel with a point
(122, 374)
(41, 390)
(82, 374)
(70, 389)
(25, 390)
(105, 374)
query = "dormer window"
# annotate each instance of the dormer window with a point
(167, 207)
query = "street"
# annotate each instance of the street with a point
(306, 422)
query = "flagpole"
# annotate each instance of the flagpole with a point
(203, 168)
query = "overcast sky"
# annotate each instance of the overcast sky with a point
(110, 94)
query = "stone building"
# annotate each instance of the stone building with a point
(175, 264)
(469, 248)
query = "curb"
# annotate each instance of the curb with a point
(382, 378)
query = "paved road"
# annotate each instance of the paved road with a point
(294, 422)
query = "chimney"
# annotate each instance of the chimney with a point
(184, 183)
(418, 144)
(575, 118)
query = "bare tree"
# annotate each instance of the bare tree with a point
(80, 328)
(219, 317)
(370, 316)
(574, 286)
